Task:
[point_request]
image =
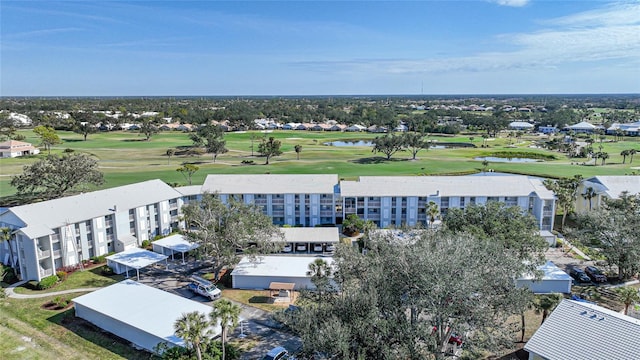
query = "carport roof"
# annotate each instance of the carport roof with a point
(148, 309)
(277, 266)
(176, 243)
(311, 235)
(137, 258)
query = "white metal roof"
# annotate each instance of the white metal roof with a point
(311, 235)
(176, 242)
(514, 185)
(277, 266)
(582, 331)
(189, 190)
(137, 258)
(522, 124)
(550, 272)
(582, 126)
(615, 185)
(146, 308)
(271, 184)
(72, 209)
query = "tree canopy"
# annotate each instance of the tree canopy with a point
(56, 176)
(222, 230)
(269, 148)
(406, 297)
(48, 136)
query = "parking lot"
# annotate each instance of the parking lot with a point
(262, 332)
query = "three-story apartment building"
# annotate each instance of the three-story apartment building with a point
(62, 232)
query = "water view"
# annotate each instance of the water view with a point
(500, 159)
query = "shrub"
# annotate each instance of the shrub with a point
(68, 150)
(146, 244)
(62, 275)
(48, 282)
(61, 302)
(99, 259)
(107, 271)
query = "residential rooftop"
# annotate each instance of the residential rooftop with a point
(271, 184)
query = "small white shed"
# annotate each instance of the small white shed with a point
(553, 280)
(173, 244)
(267, 269)
(137, 313)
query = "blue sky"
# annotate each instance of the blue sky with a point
(117, 48)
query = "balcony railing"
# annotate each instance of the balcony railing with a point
(44, 253)
(46, 272)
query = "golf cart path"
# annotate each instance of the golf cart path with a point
(11, 293)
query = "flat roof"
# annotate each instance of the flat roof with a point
(137, 258)
(271, 184)
(311, 235)
(176, 242)
(146, 308)
(511, 185)
(281, 266)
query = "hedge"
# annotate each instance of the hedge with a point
(48, 282)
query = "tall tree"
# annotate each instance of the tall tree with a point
(227, 314)
(414, 142)
(269, 148)
(194, 329)
(5, 235)
(321, 273)
(628, 295)
(624, 154)
(433, 211)
(55, 176)
(613, 228)
(566, 191)
(604, 156)
(149, 127)
(84, 123)
(406, 297)
(298, 149)
(223, 229)
(212, 138)
(187, 170)
(544, 304)
(588, 195)
(7, 126)
(388, 145)
(169, 154)
(631, 153)
(48, 136)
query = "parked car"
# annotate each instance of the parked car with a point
(579, 275)
(330, 248)
(287, 248)
(204, 287)
(455, 339)
(317, 247)
(277, 353)
(301, 247)
(595, 274)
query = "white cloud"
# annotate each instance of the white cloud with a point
(512, 3)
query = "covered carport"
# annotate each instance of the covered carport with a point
(173, 244)
(138, 313)
(327, 237)
(135, 258)
(552, 280)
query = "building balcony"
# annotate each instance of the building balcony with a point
(46, 272)
(57, 253)
(42, 254)
(547, 213)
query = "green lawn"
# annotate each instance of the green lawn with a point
(125, 157)
(79, 279)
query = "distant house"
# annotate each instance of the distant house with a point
(582, 127)
(521, 125)
(14, 148)
(377, 129)
(548, 129)
(355, 128)
(629, 129)
(290, 126)
(581, 331)
(401, 128)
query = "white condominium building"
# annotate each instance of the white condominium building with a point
(305, 200)
(592, 191)
(62, 232)
(404, 200)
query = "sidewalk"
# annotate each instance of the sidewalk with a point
(12, 294)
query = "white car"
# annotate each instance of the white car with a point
(317, 247)
(287, 248)
(330, 248)
(301, 247)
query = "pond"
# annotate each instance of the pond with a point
(350, 143)
(500, 159)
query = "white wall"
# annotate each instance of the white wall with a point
(262, 282)
(546, 286)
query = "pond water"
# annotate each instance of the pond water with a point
(350, 143)
(500, 159)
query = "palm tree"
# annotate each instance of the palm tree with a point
(298, 149)
(5, 235)
(628, 295)
(170, 153)
(604, 156)
(624, 155)
(433, 211)
(631, 153)
(485, 163)
(589, 194)
(227, 314)
(546, 303)
(194, 329)
(320, 272)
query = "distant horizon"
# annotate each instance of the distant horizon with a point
(310, 48)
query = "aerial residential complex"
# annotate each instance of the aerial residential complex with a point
(62, 232)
